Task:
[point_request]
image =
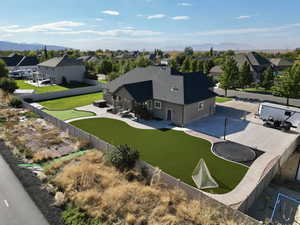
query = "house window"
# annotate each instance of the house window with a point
(200, 106)
(157, 104)
(149, 105)
(174, 89)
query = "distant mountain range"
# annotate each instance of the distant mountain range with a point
(7, 46)
(219, 47)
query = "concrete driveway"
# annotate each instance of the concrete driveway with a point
(245, 132)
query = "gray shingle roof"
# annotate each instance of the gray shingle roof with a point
(141, 91)
(257, 62)
(281, 62)
(61, 61)
(168, 84)
(12, 60)
(216, 69)
(28, 61)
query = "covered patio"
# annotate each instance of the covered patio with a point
(134, 98)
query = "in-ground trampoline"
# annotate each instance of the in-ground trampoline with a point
(236, 152)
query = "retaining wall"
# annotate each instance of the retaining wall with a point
(269, 173)
(62, 94)
(257, 97)
(167, 179)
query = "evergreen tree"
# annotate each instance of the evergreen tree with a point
(288, 84)
(126, 67)
(143, 62)
(188, 51)
(173, 64)
(194, 66)
(45, 52)
(267, 80)
(200, 66)
(207, 66)
(245, 77)
(106, 66)
(230, 74)
(3, 69)
(186, 65)
(211, 52)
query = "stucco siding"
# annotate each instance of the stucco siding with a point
(56, 74)
(192, 111)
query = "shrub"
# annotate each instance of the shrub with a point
(8, 85)
(75, 216)
(123, 157)
(15, 102)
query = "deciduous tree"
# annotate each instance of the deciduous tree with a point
(230, 74)
(288, 84)
(245, 77)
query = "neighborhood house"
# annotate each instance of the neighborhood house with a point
(257, 63)
(59, 68)
(164, 92)
(18, 62)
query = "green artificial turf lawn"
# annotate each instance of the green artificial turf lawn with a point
(53, 88)
(172, 151)
(72, 102)
(223, 99)
(102, 81)
(69, 114)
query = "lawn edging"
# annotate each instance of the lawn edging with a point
(169, 180)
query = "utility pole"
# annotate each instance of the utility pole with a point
(225, 127)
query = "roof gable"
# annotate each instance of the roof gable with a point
(141, 91)
(60, 62)
(28, 61)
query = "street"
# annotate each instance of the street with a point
(16, 206)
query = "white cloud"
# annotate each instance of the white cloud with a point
(243, 17)
(111, 33)
(246, 30)
(111, 12)
(57, 26)
(156, 16)
(129, 28)
(99, 19)
(184, 4)
(180, 18)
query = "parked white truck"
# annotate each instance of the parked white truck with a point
(279, 116)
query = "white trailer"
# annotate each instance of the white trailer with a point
(281, 113)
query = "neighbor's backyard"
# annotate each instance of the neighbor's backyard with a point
(174, 152)
(51, 88)
(68, 114)
(71, 102)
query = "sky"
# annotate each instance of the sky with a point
(149, 24)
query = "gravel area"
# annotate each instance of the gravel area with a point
(43, 199)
